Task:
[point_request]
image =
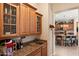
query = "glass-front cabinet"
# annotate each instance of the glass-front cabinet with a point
(39, 23)
(8, 19)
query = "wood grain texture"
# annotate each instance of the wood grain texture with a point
(32, 21)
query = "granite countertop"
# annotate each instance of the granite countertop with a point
(27, 49)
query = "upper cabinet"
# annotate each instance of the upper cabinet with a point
(38, 23)
(27, 19)
(19, 19)
(9, 20)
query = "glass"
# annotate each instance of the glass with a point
(6, 29)
(9, 19)
(13, 29)
(6, 8)
(6, 19)
(13, 10)
(38, 24)
(13, 20)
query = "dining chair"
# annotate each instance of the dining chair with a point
(74, 40)
(67, 41)
(58, 40)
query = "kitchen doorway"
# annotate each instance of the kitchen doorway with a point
(66, 32)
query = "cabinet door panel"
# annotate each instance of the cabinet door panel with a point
(27, 19)
(24, 20)
(39, 24)
(44, 51)
(22, 30)
(10, 18)
(1, 21)
(32, 21)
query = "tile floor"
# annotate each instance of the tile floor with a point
(67, 51)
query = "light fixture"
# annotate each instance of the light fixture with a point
(51, 26)
(65, 26)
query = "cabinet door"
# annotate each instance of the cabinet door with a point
(32, 21)
(27, 20)
(44, 50)
(8, 19)
(39, 24)
(24, 19)
(1, 20)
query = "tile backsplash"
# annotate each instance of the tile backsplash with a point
(29, 38)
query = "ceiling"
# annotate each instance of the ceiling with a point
(66, 15)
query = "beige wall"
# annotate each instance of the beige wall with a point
(51, 40)
(64, 6)
(43, 9)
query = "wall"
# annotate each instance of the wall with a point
(51, 40)
(57, 7)
(43, 9)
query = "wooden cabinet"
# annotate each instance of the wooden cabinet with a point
(32, 19)
(27, 19)
(8, 20)
(18, 19)
(24, 19)
(38, 23)
(44, 50)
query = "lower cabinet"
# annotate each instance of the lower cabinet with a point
(42, 51)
